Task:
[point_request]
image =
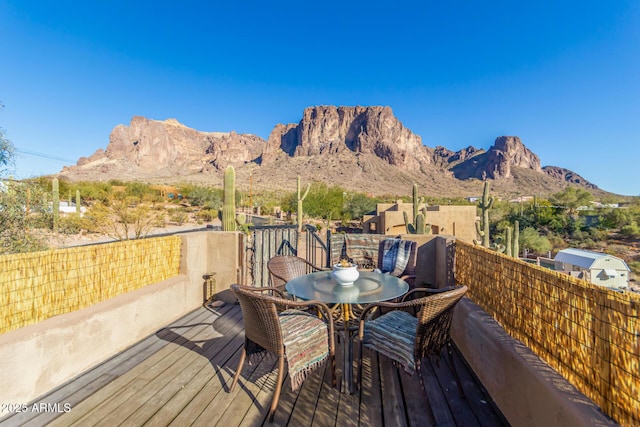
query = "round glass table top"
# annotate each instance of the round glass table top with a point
(369, 287)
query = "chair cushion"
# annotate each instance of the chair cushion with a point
(393, 335)
(306, 343)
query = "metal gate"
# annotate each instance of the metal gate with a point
(268, 241)
(317, 252)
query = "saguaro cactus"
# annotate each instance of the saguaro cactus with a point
(56, 204)
(417, 201)
(509, 247)
(229, 205)
(300, 200)
(516, 238)
(483, 227)
(418, 223)
(78, 202)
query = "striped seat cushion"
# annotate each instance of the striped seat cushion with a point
(393, 335)
(306, 343)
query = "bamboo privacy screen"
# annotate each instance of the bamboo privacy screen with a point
(588, 333)
(36, 286)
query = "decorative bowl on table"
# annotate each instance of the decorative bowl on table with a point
(345, 273)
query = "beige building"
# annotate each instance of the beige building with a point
(458, 221)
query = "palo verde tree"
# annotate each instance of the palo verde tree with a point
(20, 206)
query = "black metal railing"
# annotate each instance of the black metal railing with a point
(316, 248)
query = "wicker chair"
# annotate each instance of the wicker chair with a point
(266, 326)
(283, 268)
(415, 328)
(409, 273)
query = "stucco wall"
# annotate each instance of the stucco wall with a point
(37, 358)
(527, 390)
(458, 221)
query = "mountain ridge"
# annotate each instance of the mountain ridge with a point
(360, 148)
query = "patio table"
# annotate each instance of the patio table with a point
(369, 287)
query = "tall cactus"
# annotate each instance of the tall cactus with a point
(56, 204)
(229, 205)
(419, 226)
(483, 227)
(78, 202)
(508, 248)
(416, 202)
(418, 223)
(300, 200)
(516, 238)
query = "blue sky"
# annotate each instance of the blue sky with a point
(564, 76)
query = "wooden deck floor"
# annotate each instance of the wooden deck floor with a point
(180, 376)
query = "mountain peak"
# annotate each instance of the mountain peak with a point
(363, 148)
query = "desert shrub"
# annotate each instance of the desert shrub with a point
(98, 218)
(588, 243)
(159, 221)
(579, 235)
(140, 190)
(617, 250)
(71, 224)
(124, 218)
(93, 191)
(598, 234)
(634, 266)
(178, 216)
(207, 215)
(631, 230)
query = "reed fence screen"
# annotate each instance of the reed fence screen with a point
(588, 333)
(36, 286)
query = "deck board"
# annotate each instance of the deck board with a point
(181, 376)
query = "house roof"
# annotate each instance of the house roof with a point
(582, 258)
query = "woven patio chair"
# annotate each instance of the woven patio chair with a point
(304, 340)
(409, 272)
(415, 328)
(283, 268)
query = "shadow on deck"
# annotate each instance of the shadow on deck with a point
(180, 376)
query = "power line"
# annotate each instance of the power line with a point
(44, 156)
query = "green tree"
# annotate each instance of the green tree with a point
(533, 241)
(324, 202)
(210, 198)
(358, 204)
(20, 206)
(570, 199)
(21, 210)
(123, 218)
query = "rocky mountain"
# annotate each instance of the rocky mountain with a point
(150, 148)
(360, 148)
(328, 130)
